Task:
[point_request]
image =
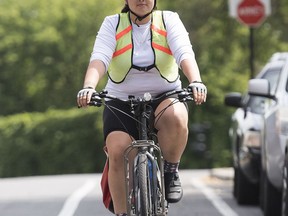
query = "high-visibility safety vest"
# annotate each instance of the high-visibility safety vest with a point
(122, 60)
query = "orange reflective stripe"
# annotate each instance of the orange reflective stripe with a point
(159, 31)
(123, 50)
(122, 33)
(163, 49)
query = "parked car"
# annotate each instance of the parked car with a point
(244, 135)
(285, 184)
(247, 123)
(274, 135)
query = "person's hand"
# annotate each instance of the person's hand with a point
(84, 96)
(199, 92)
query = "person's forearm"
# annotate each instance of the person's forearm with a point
(95, 72)
(191, 70)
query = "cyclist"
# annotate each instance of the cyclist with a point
(141, 50)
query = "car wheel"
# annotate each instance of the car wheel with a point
(285, 188)
(271, 199)
(235, 183)
(246, 193)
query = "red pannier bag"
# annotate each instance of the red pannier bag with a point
(107, 199)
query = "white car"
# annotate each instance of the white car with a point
(274, 135)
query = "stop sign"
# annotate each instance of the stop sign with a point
(251, 12)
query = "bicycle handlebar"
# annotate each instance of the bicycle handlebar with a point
(183, 95)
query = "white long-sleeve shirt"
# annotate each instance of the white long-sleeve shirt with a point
(139, 82)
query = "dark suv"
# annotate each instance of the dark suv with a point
(245, 134)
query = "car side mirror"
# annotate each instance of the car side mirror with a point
(260, 87)
(233, 99)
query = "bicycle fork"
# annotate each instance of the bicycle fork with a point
(155, 178)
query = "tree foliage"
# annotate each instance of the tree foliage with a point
(45, 47)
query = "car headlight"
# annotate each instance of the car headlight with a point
(252, 139)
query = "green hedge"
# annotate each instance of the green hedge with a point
(54, 142)
(67, 141)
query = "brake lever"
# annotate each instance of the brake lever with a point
(185, 96)
(95, 103)
(102, 93)
(96, 99)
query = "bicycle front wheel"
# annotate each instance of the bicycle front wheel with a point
(143, 189)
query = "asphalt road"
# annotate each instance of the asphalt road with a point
(206, 193)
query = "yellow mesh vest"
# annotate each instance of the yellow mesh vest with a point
(122, 60)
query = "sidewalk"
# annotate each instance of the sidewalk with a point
(226, 173)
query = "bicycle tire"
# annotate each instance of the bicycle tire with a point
(144, 192)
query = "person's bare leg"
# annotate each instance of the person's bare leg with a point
(116, 143)
(173, 130)
(172, 136)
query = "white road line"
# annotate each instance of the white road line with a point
(219, 204)
(73, 201)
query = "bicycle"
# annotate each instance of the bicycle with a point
(145, 192)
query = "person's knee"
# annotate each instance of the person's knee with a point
(173, 118)
(116, 143)
(173, 122)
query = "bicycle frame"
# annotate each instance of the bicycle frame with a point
(147, 150)
(145, 146)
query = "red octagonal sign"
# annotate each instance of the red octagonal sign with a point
(251, 12)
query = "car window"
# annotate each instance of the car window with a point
(273, 76)
(255, 103)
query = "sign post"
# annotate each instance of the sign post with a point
(251, 13)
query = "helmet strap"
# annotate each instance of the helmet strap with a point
(140, 18)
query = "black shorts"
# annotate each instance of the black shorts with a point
(114, 120)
